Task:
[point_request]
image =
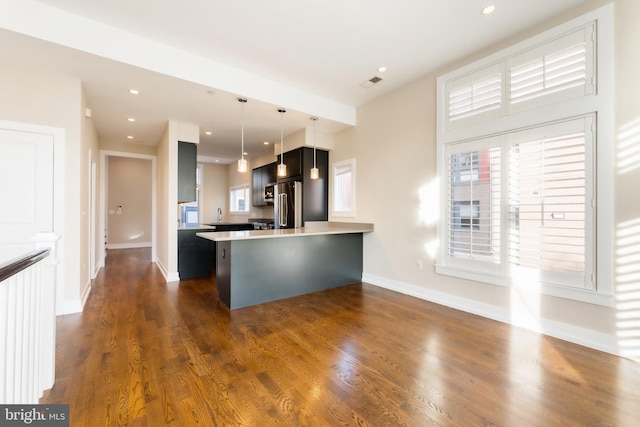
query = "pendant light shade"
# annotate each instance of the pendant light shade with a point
(282, 168)
(242, 163)
(315, 174)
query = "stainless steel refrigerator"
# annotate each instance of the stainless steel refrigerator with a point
(287, 207)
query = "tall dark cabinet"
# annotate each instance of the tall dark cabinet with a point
(315, 192)
(187, 163)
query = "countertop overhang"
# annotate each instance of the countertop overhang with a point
(310, 229)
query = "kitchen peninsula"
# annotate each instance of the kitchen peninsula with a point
(258, 266)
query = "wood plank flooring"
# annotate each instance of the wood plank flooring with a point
(147, 353)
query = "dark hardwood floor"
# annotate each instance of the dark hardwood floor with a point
(147, 353)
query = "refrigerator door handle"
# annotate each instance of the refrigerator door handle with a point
(285, 210)
(281, 222)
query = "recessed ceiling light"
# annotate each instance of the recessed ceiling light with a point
(245, 153)
(266, 143)
(134, 92)
(129, 137)
(488, 10)
(208, 132)
(382, 69)
(131, 119)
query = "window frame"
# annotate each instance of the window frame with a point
(598, 103)
(337, 169)
(232, 207)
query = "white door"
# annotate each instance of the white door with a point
(26, 189)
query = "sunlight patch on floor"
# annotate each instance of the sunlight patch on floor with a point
(525, 299)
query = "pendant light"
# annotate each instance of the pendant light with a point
(282, 168)
(242, 163)
(315, 174)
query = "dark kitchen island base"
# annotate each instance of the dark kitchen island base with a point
(255, 271)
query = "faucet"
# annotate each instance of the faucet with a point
(219, 214)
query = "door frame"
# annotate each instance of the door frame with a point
(59, 142)
(104, 154)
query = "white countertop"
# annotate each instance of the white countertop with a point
(195, 227)
(310, 229)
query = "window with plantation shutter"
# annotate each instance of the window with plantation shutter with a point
(558, 70)
(518, 136)
(549, 201)
(474, 204)
(474, 97)
(535, 217)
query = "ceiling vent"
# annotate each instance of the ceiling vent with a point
(371, 82)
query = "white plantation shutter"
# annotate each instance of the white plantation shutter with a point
(550, 193)
(558, 70)
(533, 220)
(518, 134)
(474, 97)
(474, 205)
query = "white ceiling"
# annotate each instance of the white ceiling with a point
(191, 59)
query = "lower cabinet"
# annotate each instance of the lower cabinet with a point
(196, 256)
(223, 272)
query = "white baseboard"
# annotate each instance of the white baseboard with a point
(76, 305)
(586, 337)
(85, 294)
(168, 277)
(128, 245)
(69, 307)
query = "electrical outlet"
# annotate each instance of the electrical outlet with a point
(420, 264)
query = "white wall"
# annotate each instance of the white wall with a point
(37, 97)
(394, 143)
(214, 191)
(129, 185)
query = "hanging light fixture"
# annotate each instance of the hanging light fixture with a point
(282, 168)
(315, 174)
(242, 163)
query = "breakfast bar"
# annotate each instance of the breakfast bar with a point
(257, 266)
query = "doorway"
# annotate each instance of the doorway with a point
(127, 213)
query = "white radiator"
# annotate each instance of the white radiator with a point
(27, 333)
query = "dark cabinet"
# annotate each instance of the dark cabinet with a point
(196, 256)
(262, 176)
(315, 192)
(293, 160)
(223, 272)
(187, 160)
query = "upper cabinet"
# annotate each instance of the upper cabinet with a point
(262, 176)
(293, 160)
(315, 192)
(187, 163)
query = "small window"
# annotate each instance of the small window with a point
(239, 199)
(344, 188)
